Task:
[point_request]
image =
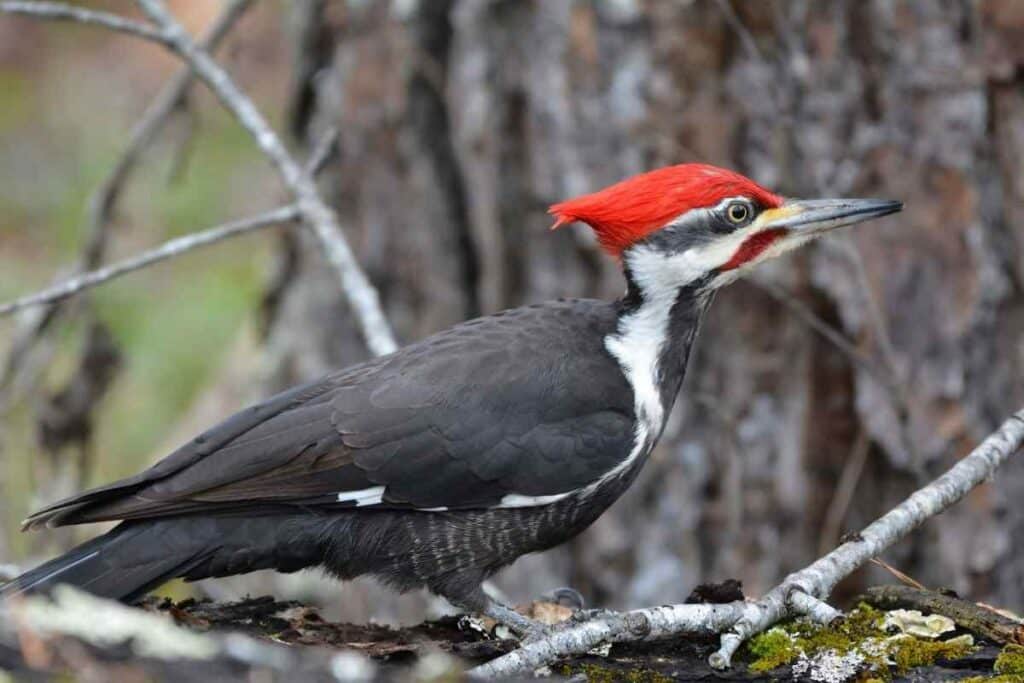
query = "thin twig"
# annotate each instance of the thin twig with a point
(830, 333)
(902, 577)
(820, 578)
(897, 382)
(169, 100)
(325, 148)
(318, 215)
(104, 199)
(971, 616)
(165, 251)
(815, 581)
(873, 307)
(746, 37)
(62, 12)
(843, 496)
(320, 218)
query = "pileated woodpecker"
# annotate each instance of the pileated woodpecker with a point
(443, 462)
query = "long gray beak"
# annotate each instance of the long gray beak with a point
(813, 216)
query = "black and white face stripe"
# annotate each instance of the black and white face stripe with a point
(685, 253)
(699, 240)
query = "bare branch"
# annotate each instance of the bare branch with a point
(897, 382)
(165, 251)
(62, 12)
(801, 593)
(853, 467)
(830, 333)
(746, 37)
(317, 214)
(820, 578)
(644, 624)
(322, 153)
(104, 199)
(169, 99)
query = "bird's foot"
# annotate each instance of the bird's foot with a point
(526, 629)
(545, 623)
(566, 597)
(581, 616)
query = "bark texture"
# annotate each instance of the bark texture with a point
(462, 120)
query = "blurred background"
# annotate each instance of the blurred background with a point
(822, 391)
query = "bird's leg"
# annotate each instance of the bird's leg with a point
(476, 600)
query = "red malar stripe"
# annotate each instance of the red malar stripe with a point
(752, 247)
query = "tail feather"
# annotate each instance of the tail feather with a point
(136, 557)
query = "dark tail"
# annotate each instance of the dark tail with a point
(136, 557)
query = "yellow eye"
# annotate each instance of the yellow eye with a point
(738, 212)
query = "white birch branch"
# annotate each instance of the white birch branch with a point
(317, 214)
(800, 593)
(653, 623)
(820, 578)
(167, 250)
(59, 11)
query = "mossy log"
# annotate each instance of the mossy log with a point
(969, 616)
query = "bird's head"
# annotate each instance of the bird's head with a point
(695, 222)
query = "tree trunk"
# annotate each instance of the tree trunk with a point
(462, 120)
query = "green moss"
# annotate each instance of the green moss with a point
(1010, 660)
(911, 652)
(783, 645)
(861, 633)
(773, 648)
(601, 674)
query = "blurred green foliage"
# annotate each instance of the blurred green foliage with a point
(176, 321)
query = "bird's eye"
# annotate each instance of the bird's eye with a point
(738, 212)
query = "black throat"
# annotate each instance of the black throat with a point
(686, 306)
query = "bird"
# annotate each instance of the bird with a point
(443, 462)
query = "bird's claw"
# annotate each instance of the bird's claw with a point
(565, 596)
(582, 616)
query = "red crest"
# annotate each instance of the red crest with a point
(633, 208)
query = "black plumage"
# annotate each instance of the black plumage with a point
(443, 462)
(523, 402)
(527, 402)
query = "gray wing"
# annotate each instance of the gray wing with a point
(526, 404)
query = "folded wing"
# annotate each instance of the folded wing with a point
(507, 410)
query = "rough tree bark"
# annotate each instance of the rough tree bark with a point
(460, 121)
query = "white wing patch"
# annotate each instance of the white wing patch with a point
(517, 500)
(370, 496)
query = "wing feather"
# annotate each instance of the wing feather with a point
(521, 404)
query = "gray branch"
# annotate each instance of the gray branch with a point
(653, 623)
(320, 218)
(169, 99)
(165, 251)
(800, 593)
(317, 214)
(62, 12)
(103, 200)
(820, 578)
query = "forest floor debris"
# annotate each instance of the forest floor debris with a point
(263, 634)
